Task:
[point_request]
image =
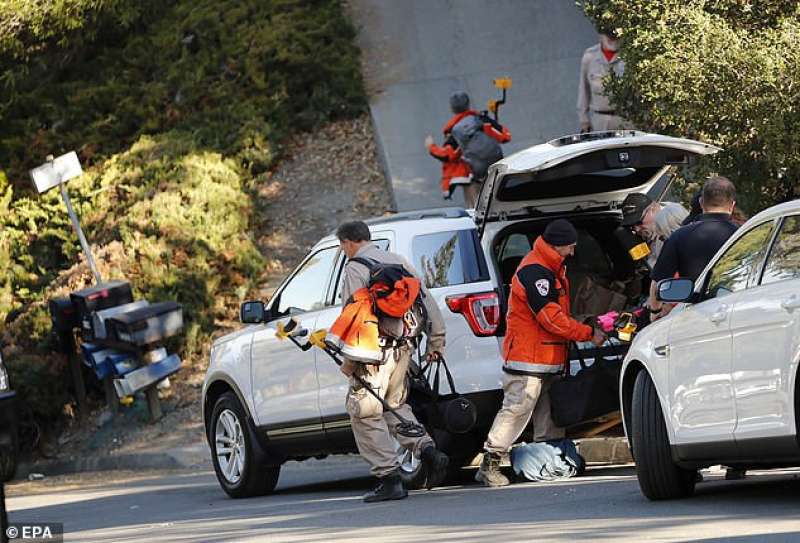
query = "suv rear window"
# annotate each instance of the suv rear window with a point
(449, 258)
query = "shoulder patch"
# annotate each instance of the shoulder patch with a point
(543, 286)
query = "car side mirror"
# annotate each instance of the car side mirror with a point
(675, 290)
(253, 312)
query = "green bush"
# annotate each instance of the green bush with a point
(175, 109)
(723, 71)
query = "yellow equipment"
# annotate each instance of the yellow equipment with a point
(502, 83)
(626, 326)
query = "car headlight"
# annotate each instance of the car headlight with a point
(4, 385)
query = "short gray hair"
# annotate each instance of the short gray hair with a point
(353, 231)
(669, 219)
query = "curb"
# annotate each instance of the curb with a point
(101, 463)
(605, 450)
(595, 450)
(188, 457)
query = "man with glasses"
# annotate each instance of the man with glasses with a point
(639, 214)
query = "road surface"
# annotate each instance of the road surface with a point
(320, 501)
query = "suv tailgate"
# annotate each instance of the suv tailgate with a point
(588, 172)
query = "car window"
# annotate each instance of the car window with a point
(784, 260)
(449, 258)
(382, 244)
(516, 245)
(737, 267)
(306, 290)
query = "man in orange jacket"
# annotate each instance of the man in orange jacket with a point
(453, 163)
(536, 346)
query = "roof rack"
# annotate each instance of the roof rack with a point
(417, 214)
(592, 136)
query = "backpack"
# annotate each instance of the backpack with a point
(396, 293)
(478, 149)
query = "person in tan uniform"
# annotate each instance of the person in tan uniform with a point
(595, 112)
(374, 430)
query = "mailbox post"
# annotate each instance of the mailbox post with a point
(55, 173)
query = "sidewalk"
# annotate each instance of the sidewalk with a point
(442, 46)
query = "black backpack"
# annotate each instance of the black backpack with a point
(396, 293)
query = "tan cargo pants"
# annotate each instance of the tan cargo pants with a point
(374, 429)
(471, 193)
(523, 396)
(602, 122)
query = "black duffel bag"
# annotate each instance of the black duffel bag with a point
(452, 411)
(590, 393)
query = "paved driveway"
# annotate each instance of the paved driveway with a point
(417, 52)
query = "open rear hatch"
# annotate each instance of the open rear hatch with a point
(586, 172)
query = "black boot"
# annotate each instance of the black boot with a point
(435, 462)
(389, 487)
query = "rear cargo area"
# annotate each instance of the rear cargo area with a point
(601, 274)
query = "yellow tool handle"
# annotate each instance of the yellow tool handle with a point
(503, 82)
(317, 338)
(280, 331)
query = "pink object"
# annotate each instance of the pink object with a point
(607, 321)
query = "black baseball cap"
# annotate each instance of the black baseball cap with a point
(633, 207)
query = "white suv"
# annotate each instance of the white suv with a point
(265, 401)
(715, 382)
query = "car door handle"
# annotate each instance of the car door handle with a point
(791, 303)
(720, 315)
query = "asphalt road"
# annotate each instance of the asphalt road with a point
(418, 52)
(320, 501)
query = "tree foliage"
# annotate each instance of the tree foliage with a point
(175, 108)
(723, 71)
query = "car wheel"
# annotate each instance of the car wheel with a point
(239, 472)
(412, 472)
(9, 447)
(659, 477)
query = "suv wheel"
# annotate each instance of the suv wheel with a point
(412, 472)
(9, 446)
(239, 471)
(659, 477)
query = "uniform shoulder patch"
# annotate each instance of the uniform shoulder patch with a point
(543, 286)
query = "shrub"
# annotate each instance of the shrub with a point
(724, 71)
(175, 107)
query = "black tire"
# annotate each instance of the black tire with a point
(240, 472)
(9, 454)
(659, 477)
(412, 472)
(461, 449)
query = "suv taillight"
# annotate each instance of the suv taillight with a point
(482, 311)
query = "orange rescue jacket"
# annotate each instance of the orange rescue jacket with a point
(450, 155)
(356, 332)
(539, 326)
(452, 164)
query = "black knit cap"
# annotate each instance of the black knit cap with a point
(560, 232)
(459, 102)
